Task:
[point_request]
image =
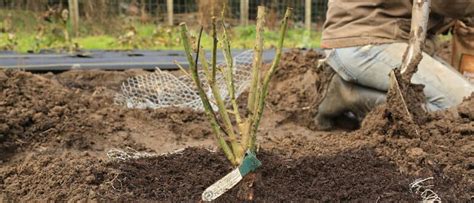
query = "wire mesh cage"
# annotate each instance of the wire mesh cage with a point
(162, 89)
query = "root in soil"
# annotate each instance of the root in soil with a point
(405, 108)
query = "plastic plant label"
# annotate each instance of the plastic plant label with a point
(249, 164)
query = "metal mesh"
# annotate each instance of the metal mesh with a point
(157, 8)
(127, 154)
(420, 186)
(162, 89)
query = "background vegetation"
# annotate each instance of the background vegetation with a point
(134, 25)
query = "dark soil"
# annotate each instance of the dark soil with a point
(55, 130)
(351, 175)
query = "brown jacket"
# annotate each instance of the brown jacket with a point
(361, 22)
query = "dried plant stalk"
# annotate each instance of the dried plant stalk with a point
(236, 146)
(257, 60)
(202, 94)
(263, 91)
(234, 141)
(229, 73)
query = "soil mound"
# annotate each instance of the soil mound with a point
(75, 110)
(99, 83)
(53, 175)
(293, 89)
(39, 112)
(184, 124)
(443, 149)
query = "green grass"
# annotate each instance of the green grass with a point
(96, 42)
(148, 36)
(244, 37)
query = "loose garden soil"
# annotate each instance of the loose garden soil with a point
(56, 129)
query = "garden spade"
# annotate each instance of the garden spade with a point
(249, 164)
(413, 54)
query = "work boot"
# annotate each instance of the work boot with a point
(341, 98)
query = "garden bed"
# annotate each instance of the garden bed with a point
(56, 129)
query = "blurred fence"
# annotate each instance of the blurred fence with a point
(182, 10)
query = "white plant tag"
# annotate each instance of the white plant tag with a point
(222, 185)
(249, 164)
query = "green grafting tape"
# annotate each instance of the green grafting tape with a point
(249, 164)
